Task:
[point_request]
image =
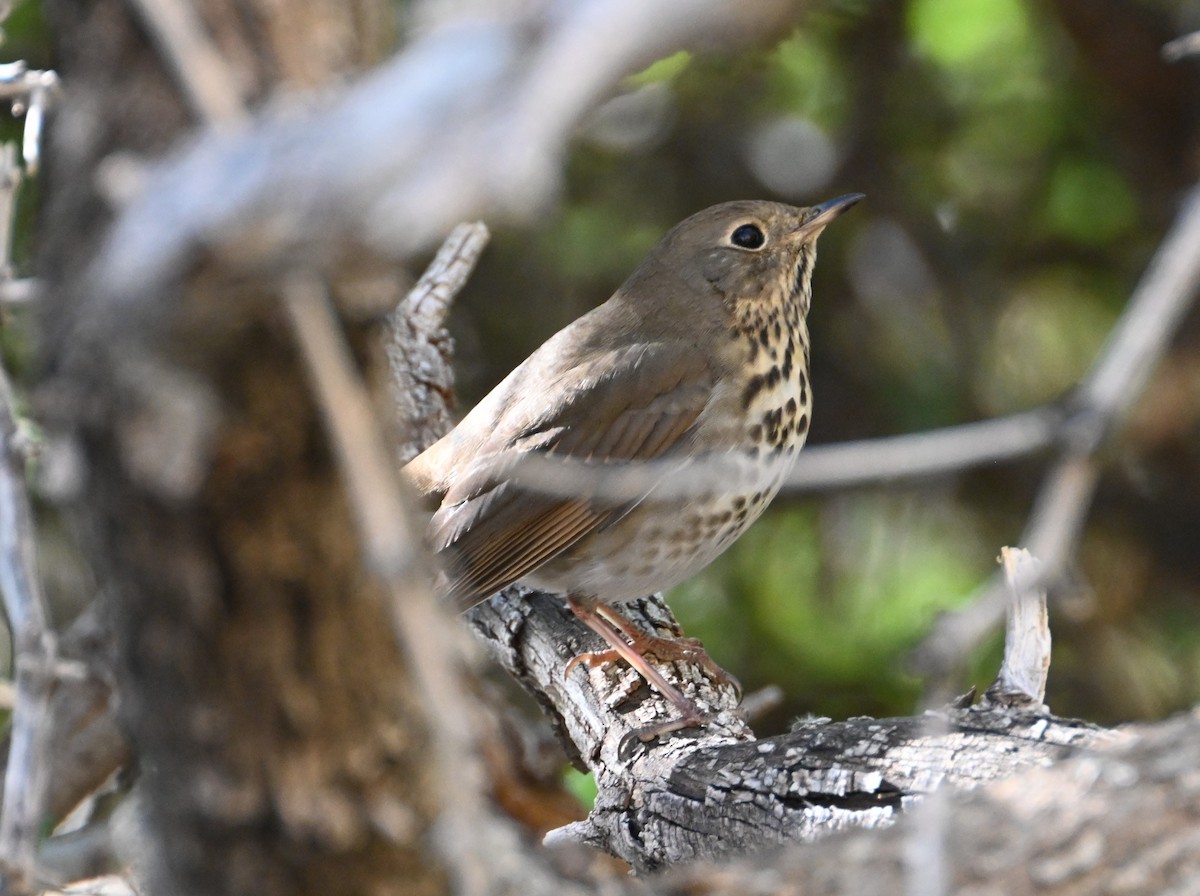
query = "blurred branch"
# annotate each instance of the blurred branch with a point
(847, 464)
(418, 345)
(1155, 310)
(1182, 47)
(366, 463)
(10, 183)
(717, 791)
(471, 832)
(206, 80)
(936, 452)
(1026, 663)
(19, 292)
(1139, 340)
(25, 777)
(498, 97)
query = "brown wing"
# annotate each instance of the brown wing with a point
(493, 531)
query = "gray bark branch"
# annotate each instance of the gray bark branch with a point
(711, 792)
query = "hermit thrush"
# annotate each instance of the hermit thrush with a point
(699, 364)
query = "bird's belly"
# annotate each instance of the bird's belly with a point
(664, 541)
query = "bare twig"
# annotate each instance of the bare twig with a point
(497, 97)
(418, 346)
(10, 183)
(936, 452)
(34, 649)
(1181, 47)
(19, 292)
(203, 75)
(1162, 297)
(428, 302)
(433, 645)
(365, 460)
(1026, 664)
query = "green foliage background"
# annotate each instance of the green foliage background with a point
(1021, 161)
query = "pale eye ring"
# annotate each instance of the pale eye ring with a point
(748, 236)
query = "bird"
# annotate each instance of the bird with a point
(697, 367)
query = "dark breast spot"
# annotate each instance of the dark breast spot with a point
(752, 389)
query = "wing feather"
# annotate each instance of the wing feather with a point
(494, 531)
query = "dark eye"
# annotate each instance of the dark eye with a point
(748, 236)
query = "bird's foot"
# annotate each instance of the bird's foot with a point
(666, 650)
(629, 643)
(650, 733)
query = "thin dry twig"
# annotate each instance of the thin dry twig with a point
(25, 777)
(433, 645)
(418, 346)
(1181, 47)
(1026, 663)
(428, 302)
(362, 451)
(936, 452)
(10, 183)
(497, 97)
(951, 449)
(205, 79)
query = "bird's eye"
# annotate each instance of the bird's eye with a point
(748, 236)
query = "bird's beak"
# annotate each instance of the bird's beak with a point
(820, 215)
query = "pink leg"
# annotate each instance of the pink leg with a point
(631, 644)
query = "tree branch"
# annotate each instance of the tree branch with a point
(34, 648)
(498, 97)
(1163, 295)
(205, 79)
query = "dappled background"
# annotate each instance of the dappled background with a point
(1021, 161)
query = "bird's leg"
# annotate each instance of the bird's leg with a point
(631, 644)
(688, 650)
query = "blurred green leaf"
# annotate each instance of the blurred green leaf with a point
(664, 69)
(1045, 338)
(836, 597)
(596, 241)
(1089, 202)
(955, 33)
(806, 79)
(581, 785)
